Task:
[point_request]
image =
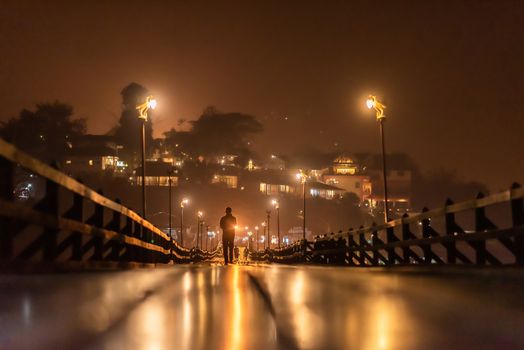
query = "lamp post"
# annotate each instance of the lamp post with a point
(379, 108)
(268, 212)
(170, 172)
(182, 203)
(207, 235)
(142, 115)
(264, 234)
(277, 207)
(303, 178)
(199, 229)
(256, 230)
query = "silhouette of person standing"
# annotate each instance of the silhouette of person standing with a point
(227, 224)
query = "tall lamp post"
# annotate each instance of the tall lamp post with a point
(256, 230)
(379, 108)
(277, 207)
(268, 212)
(183, 202)
(142, 115)
(264, 234)
(303, 178)
(200, 215)
(170, 173)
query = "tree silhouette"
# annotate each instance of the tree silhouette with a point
(128, 130)
(215, 133)
(47, 132)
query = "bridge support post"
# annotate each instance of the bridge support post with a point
(517, 215)
(481, 224)
(6, 193)
(97, 220)
(49, 205)
(451, 229)
(362, 243)
(76, 213)
(426, 233)
(129, 249)
(115, 244)
(390, 236)
(374, 242)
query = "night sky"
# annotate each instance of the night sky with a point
(450, 72)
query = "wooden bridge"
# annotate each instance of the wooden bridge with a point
(446, 278)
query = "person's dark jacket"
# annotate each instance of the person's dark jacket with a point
(227, 224)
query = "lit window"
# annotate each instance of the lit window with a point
(68, 162)
(90, 162)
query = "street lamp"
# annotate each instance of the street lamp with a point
(268, 212)
(264, 234)
(183, 202)
(170, 173)
(303, 178)
(277, 207)
(256, 230)
(142, 115)
(200, 215)
(379, 108)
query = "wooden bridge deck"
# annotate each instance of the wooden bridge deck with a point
(264, 307)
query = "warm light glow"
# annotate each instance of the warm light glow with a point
(370, 102)
(256, 227)
(200, 214)
(246, 228)
(275, 203)
(263, 224)
(151, 103)
(183, 202)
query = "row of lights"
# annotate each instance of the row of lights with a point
(372, 103)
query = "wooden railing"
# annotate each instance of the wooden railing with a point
(43, 232)
(416, 239)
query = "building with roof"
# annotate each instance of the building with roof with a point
(157, 174)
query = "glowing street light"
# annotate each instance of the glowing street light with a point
(373, 103)
(142, 115)
(183, 203)
(200, 215)
(302, 176)
(275, 204)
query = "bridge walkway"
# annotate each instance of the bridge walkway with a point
(208, 306)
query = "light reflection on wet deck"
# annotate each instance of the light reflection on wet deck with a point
(264, 307)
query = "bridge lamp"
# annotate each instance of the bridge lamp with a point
(275, 204)
(302, 176)
(149, 103)
(183, 203)
(373, 103)
(256, 230)
(200, 230)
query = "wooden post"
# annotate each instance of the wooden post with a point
(480, 226)
(390, 238)
(517, 215)
(451, 229)
(375, 242)
(128, 231)
(426, 233)
(97, 220)
(6, 193)
(362, 243)
(114, 225)
(49, 205)
(406, 235)
(76, 213)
